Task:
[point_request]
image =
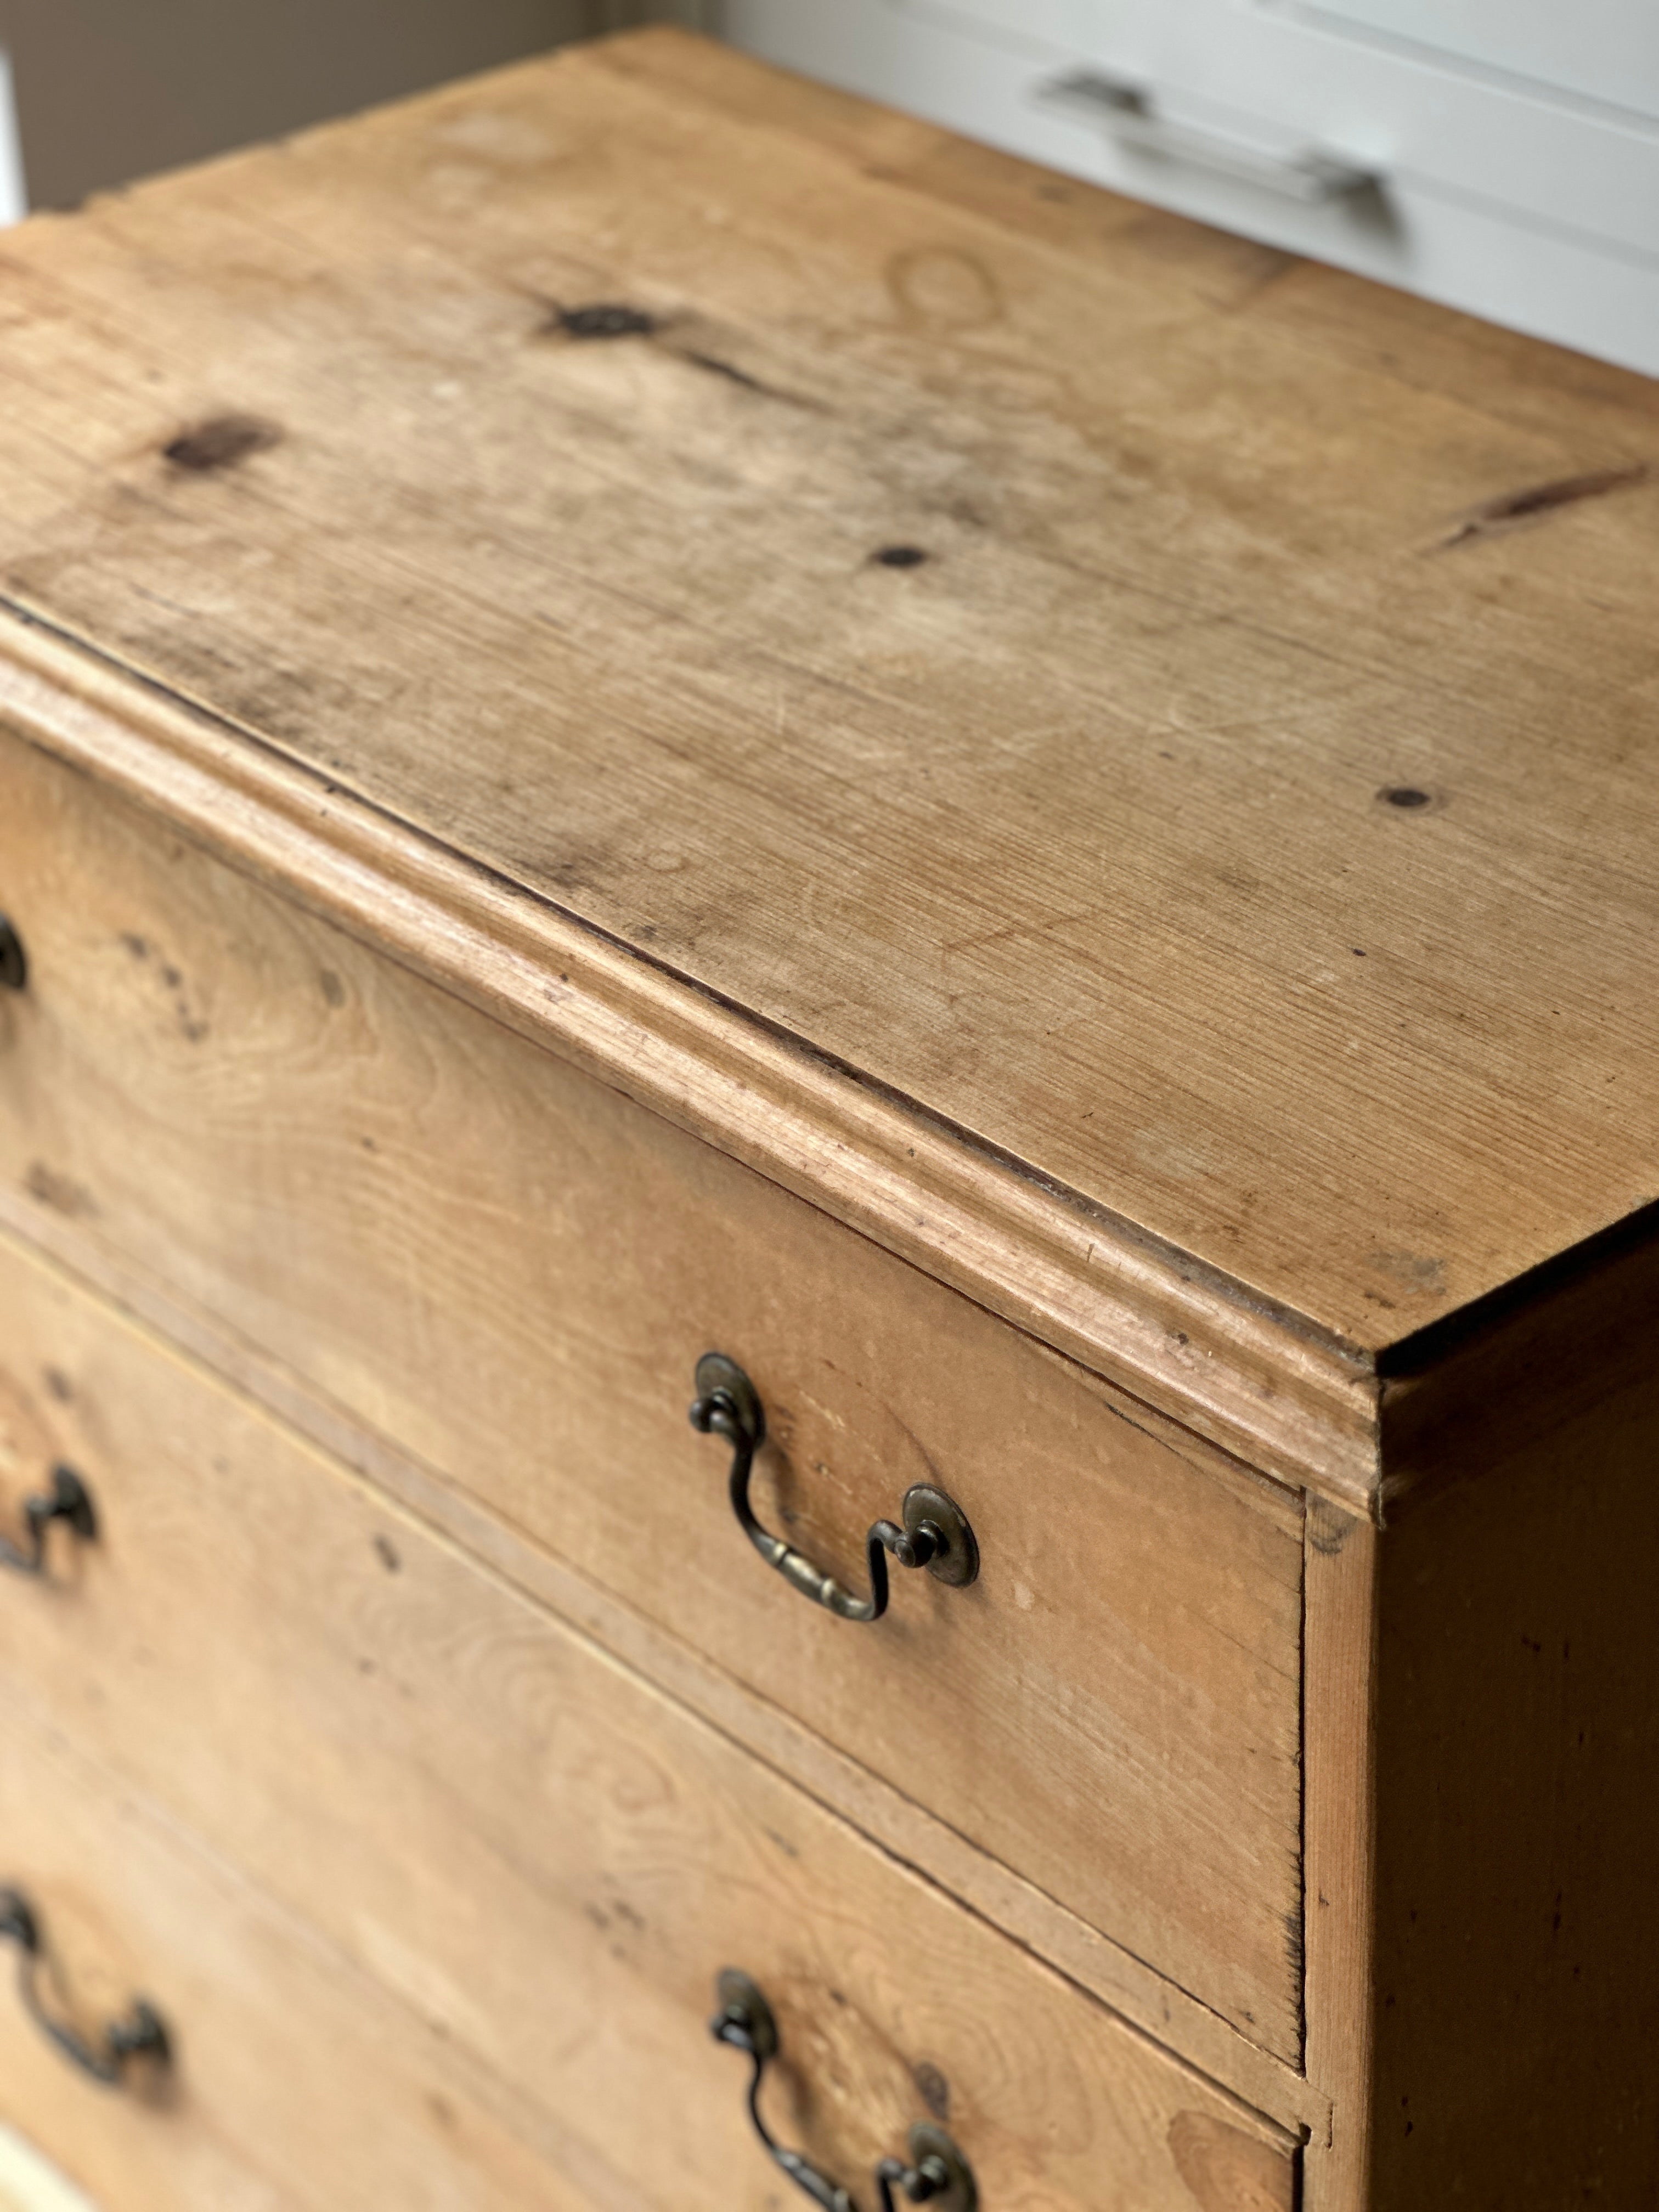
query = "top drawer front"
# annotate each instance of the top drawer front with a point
(1604, 50)
(511, 1271)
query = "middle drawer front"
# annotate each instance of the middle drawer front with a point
(512, 1271)
(546, 1858)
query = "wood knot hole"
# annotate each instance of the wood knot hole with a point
(221, 443)
(605, 318)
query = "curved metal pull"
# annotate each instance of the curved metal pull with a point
(935, 1535)
(1128, 112)
(141, 2034)
(14, 961)
(935, 2172)
(68, 1500)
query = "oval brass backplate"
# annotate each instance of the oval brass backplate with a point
(958, 1563)
(14, 961)
(961, 2193)
(717, 1375)
(742, 1999)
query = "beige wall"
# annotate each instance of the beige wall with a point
(111, 89)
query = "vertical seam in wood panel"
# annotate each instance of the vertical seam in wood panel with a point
(1339, 1780)
(1302, 1821)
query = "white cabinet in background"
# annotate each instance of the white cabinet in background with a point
(1603, 50)
(1503, 154)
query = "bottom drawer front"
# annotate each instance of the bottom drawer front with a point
(541, 1854)
(294, 2083)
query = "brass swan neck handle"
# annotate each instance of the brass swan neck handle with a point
(935, 2171)
(934, 1534)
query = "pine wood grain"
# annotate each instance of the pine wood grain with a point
(544, 1858)
(1073, 832)
(1174, 1334)
(902, 1828)
(511, 1272)
(1516, 1998)
(298, 2085)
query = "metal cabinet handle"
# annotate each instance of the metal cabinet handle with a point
(14, 961)
(141, 2034)
(935, 2172)
(935, 1535)
(1128, 113)
(68, 1500)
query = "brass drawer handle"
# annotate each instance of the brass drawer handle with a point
(14, 961)
(936, 2171)
(141, 2034)
(935, 1535)
(70, 1501)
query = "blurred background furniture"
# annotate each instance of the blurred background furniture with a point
(107, 90)
(1501, 155)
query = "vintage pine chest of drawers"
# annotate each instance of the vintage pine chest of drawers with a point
(666, 737)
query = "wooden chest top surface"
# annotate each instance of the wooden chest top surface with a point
(1181, 716)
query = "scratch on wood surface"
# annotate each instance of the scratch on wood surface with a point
(729, 370)
(1041, 926)
(1524, 505)
(605, 320)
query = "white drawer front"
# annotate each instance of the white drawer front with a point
(1600, 50)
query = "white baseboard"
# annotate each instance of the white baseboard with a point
(29, 2183)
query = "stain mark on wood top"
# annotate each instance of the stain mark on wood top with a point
(1536, 500)
(221, 443)
(935, 2089)
(62, 1193)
